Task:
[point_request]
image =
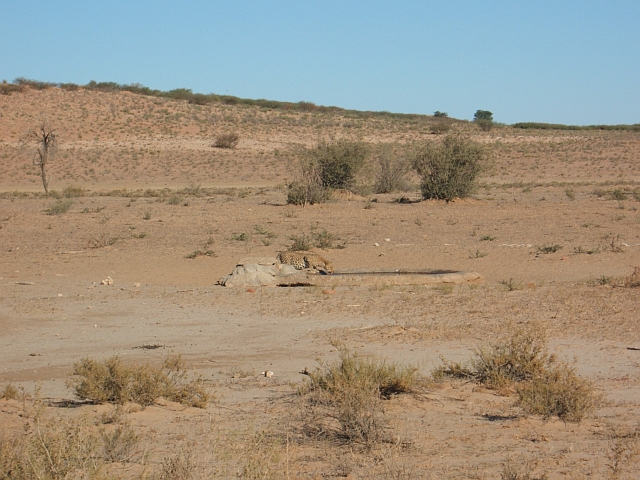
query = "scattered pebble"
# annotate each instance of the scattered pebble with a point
(387, 239)
(328, 291)
(136, 284)
(267, 374)
(377, 244)
(107, 281)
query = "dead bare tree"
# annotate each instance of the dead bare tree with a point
(45, 142)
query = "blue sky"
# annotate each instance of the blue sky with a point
(563, 61)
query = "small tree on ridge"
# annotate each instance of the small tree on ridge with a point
(45, 141)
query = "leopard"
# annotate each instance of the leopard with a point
(302, 260)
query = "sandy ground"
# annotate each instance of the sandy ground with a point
(54, 311)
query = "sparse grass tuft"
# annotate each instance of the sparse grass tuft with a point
(102, 241)
(59, 207)
(112, 381)
(549, 248)
(510, 284)
(632, 281)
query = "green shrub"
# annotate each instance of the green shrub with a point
(484, 119)
(338, 162)
(449, 169)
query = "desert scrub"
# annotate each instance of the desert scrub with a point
(326, 166)
(449, 168)
(344, 399)
(227, 140)
(391, 168)
(521, 363)
(51, 449)
(59, 207)
(113, 382)
(558, 391)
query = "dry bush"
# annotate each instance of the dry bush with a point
(510, 472)
(624, 446)
(344, 399)
(51, 449)
(119, 442)
(59, 207)
(558, 391)
(521, 357)
(227, 140)
(180, 466)
(112, 381)
(521, 362)
(390, 171)
(10, 392)
(102, 241)
(307, 188)
(441, 125)
(633, 280)
(72, 191)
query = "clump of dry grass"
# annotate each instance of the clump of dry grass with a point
(72, 191)
(112, 381)
(180, 466)
(227, 140)
(52, 448)
(633, 280)
(510, 472)
(59, 207)
(522, 364)
(9, 392)
(345, 398)
(624, 446)
(558, 391)
(56, 447)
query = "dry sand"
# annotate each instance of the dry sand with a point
(53, 310)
